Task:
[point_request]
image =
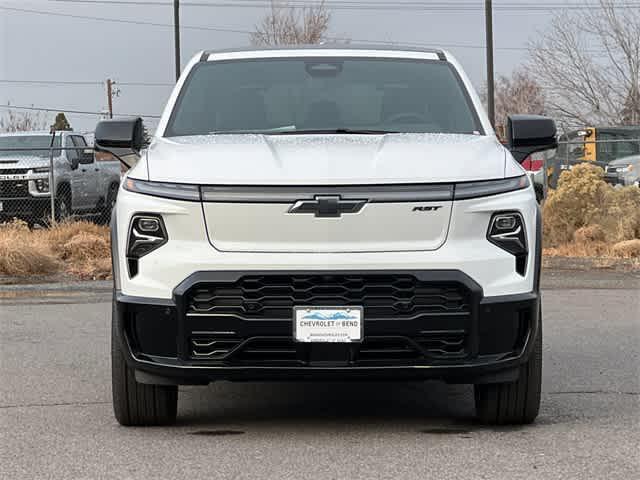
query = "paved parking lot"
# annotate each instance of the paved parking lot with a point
(56, 420)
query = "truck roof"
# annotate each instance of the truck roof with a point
(37, 133)
(442, 54)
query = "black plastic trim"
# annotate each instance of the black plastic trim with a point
(115, 257)
(537, 265)
(476, 368)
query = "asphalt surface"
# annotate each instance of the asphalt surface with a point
(56, 420)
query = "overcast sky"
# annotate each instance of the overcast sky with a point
(39, 47)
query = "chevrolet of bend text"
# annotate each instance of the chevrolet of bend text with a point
(318, 213)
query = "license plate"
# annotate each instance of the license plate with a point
(327, 324)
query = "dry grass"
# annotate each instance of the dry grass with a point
(586, 217)
(77, 248)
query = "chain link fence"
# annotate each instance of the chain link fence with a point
(615, 156)
(46, 179)
(619, 158)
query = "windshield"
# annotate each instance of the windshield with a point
(28, 141)
(317, 95)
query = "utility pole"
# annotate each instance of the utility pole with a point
(176, 35)
(488, 5)
(110, 97)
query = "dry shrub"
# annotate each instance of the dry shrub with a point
(79, 248)
(62, 233)
(627, 249)
(88, 255)
(22, 253)
(584, 208)
(580, 249)
(590, 233)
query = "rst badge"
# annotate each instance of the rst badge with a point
(426, 209)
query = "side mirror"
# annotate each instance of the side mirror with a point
(74, 163)
(527, 134)
(86, 156)
(119, 137)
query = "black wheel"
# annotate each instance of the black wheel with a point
(137, 404)
(104, 216)
(63, 204)
(515, 403)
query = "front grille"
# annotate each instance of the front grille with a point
(382, 296)
(14, 171)
(249, 321)
(14, 188)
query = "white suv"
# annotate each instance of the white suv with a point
(322, 213)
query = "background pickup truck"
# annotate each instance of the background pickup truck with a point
(81, 184)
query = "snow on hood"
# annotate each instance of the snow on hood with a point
(255, 159)
(22, 161)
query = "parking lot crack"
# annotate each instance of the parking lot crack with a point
(57, 404)
(592, 392)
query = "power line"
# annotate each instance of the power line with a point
(81, 83)
(75, 112)
(246, 32)
(120, 20)
(399, 5)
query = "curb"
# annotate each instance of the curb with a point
(90, 286)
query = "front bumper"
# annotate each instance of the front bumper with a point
(417, 324)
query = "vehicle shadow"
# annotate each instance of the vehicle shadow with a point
(331, 404)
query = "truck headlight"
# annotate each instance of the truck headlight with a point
(174, 191)
(467, 190)
(507, 231)
(42, 185)
(146, 234)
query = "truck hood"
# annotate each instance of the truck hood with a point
(22, 162)
(339, 159)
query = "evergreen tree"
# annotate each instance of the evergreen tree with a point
(61, 123)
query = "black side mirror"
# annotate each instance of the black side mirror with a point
(527, 134)
(119, 137)
(86, 156)
(74, 162)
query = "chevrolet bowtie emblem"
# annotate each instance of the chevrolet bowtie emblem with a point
(327, 206)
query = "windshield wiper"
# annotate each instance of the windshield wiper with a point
(347, 131)
(283, 129)
(291, 130)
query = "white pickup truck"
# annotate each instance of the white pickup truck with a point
(81, 184)
(326, 212)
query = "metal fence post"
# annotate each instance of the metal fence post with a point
(52, 187)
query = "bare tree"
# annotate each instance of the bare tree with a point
(289, 25)
(589, 64)
(519, 93)
(22, 122)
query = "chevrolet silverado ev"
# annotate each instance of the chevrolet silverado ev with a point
(326, 212)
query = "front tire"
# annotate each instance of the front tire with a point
(138, 404)
(63, 204)
(104, 215)
(516, 403)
